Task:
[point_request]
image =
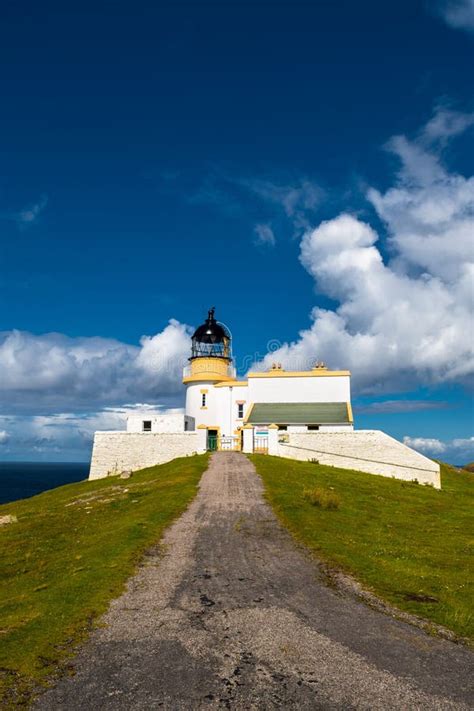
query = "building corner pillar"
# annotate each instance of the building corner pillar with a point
(273, 440)
(247, 439)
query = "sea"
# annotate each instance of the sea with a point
(19, 480)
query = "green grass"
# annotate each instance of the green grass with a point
(68, 555)
(412, 545)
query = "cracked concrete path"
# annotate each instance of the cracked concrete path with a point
(235, 616)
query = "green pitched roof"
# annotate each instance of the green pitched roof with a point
(299, 413)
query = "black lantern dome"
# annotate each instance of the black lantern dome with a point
(211, 340)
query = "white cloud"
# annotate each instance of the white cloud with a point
(458, 14)
(445, 124)
(425, 444)
(408, 320)
(287, 201)
(64, 432)
(297, 201)
(31, 213)
(396, 406)
(459, 451)
(429, 212)
(300, 197)
(53, 372)
(468, 442)
(264, 235)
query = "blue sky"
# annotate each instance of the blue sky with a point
(304, 167)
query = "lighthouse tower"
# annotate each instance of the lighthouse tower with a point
(210, 364)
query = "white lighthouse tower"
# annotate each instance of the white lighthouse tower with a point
(210, 365)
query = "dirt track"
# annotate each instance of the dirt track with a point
(235, 616)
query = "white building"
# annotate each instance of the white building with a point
(296, 414)
(314, 400)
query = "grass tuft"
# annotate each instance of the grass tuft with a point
(323, 498)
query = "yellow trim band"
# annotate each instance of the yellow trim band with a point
(249, 412)
(349, 413)
(300, 374)
(203, 378)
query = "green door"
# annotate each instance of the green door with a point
(211, 440)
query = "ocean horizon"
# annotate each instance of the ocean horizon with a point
(20, 480)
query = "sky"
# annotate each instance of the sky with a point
(304, 167)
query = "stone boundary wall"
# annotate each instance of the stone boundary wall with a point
(370, 451)
(115, 452)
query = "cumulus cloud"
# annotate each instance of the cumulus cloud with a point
(264, 235)
(406, 320)
(429, 212)
(426, 444)
(52, 372)
(459, 451)
(458, 14)
(48, 436)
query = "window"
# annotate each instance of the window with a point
(203, 400)
(313, 428)
(240, 410)
(282, 428)
(146, 426)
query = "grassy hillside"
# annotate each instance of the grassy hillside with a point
(69, 553)
(410, 544)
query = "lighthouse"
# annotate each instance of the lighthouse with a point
(297, 414)
(210, 364)
(287, 401)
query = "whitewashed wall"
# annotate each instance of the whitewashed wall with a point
(335, 388)
(115, 452)
(370, 451)
(221, 405)
(159, 422)
(227, 399)
(207, 416)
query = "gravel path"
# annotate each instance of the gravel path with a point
(235, 616)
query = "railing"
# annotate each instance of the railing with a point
(230, 444)
(260, 445)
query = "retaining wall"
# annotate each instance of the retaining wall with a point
(370, 451)
(115, 452)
